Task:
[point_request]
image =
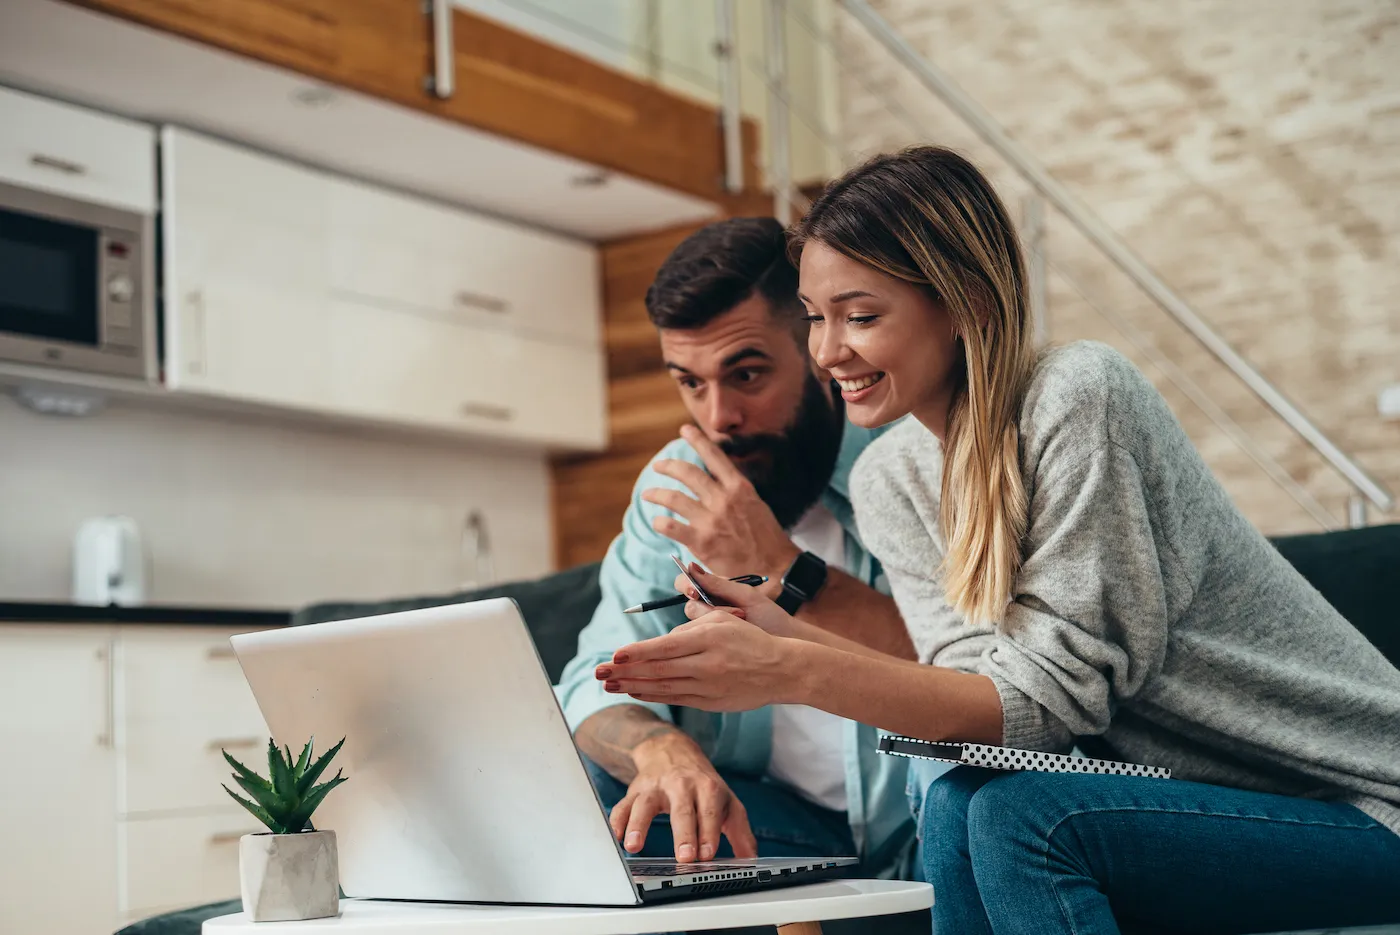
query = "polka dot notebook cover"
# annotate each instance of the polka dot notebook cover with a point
(983, 754)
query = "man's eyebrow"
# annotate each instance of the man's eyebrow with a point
(744, 354)
(678, 368)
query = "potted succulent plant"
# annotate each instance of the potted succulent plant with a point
(289, 872)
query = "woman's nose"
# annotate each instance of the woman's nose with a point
(827, 346)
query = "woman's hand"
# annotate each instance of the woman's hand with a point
(749, 602)
(716, 663)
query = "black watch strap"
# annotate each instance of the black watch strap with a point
(804, 578)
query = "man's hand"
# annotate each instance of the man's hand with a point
(727, 526)
(675, 777)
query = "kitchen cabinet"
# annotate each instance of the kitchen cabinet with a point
(113, 770)
(76, 152)
(58, 792)
(244, 273)
(291, 288)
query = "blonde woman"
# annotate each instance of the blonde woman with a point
(1070, 572)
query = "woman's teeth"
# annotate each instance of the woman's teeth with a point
(853, 386)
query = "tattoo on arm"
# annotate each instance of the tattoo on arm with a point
(609, 737)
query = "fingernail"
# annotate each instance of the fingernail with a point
(612, 687)
(687, 852)
(634, 840)
(621, 658)
(604, 672)
(707, 851)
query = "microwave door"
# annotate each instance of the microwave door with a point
(48, 279)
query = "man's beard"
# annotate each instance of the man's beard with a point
(798, 462)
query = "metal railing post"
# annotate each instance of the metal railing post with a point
(443, 81)
(1356, 511)
(1033, 233)
(731, 114)
(779, 128)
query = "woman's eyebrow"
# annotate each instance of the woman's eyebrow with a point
(843, 296)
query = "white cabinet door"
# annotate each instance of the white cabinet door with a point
(400, 366)
(465, 267)
(183, 700)
(245, 273)
(78, 153)
(183, 861)
(58, 868)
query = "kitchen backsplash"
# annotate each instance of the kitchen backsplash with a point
(243, 512)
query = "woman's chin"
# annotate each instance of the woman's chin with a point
(869, 416)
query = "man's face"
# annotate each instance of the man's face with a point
(751, 388)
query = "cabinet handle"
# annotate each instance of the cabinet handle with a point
(109, 656)
(229, 837)
(488, 411)
(221, 652)
(487, 303)
(58, 165)
(194, 312)
(236, 743)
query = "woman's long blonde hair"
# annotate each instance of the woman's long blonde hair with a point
(928, 216)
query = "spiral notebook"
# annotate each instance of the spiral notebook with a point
(992, 757)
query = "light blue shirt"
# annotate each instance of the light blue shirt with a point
(638, 568)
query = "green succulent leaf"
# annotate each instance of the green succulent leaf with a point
(244, 771)
(262, 793)
(308, 779)
(260, 813)
(280, 771)
(302, 761)
(313, 800)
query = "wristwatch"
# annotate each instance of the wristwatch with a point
(804, 578)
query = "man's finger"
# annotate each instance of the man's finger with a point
(677, 502)
(617, 818)
(717, 461)
(682, 797)
(712, 802)
(737, 830)
(692, 475)
(644, 808)
(676, 531)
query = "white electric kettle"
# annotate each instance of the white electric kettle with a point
(109, 563)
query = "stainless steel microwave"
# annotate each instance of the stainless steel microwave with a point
(76, 285)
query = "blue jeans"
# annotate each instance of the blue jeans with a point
(785, 824)
(1036, 853)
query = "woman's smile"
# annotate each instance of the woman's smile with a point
(860, 388)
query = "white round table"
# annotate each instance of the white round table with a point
(796, 910)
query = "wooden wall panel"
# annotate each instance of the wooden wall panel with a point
(508, 83)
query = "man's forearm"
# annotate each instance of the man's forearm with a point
(611, 737)
(859, 613)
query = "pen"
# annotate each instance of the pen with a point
(752, 581)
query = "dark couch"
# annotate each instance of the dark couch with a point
(1357, 570)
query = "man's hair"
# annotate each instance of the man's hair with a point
(719, 266)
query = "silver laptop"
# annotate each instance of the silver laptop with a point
(464, 782)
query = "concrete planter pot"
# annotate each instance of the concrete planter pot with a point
(289, 877)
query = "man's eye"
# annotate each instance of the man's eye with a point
(747, 376)
(689, 383)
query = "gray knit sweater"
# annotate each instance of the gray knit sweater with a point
(1150, 622)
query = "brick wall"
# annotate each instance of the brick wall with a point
(1248, 150)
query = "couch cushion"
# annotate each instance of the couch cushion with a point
(556, 607)
(1358, 571)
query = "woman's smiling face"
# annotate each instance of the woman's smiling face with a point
(886, 342)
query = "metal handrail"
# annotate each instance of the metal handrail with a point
(1112, 246)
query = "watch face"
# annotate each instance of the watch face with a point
(806, 576)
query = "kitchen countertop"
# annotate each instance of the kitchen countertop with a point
(24, 612)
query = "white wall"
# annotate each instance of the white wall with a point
(250, 513)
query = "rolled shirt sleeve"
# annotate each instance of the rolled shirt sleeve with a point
(637, 568)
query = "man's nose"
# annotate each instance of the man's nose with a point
(723, 412)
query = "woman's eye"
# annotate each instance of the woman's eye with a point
(812, 319)
(861, 319)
